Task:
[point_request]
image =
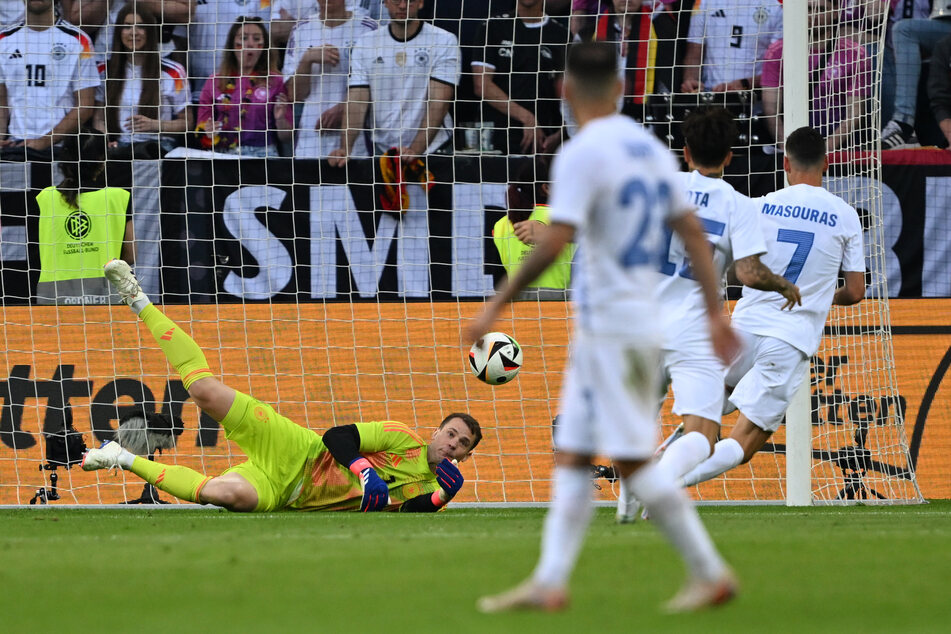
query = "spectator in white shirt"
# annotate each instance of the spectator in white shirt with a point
(407, 72)
(316, 69)
(48, 79)
(144, 99)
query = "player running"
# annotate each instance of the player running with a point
(814, 237)
(366, 466)
(614, 187)
(731, 223)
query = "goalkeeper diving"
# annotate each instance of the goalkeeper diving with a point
(364, 466)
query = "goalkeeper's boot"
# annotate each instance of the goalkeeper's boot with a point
(119, 273)
(527, 596)
(105, 457)
(698, 594)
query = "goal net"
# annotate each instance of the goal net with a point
(337, 294)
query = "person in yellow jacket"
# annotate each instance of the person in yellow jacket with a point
(82, 225)
(515, 234)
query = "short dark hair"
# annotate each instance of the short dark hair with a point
(710, 134)
(593, 66)
(806, 147)
(470, 422)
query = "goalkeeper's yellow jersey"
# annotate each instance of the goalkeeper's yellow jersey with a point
(397, 453)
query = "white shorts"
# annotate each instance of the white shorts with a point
(766, 375)
(696, 378)
(608, 400)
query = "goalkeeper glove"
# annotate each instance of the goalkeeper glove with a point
(376, 494)
(449, 479)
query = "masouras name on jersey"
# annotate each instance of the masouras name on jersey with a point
(803, 213)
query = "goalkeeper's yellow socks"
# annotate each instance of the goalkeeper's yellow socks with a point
(180, 349)
(182, 482)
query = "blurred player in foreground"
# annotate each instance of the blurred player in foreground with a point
(814, 237)
(613, 189)
(731, 223)
(289, 466)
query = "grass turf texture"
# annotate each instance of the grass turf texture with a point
(856, 569)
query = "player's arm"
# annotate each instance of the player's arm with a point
(750, 271)
(692, 59)
(343, 443)
(553, 239)
(4, 113)
(355, 113)
(75, 118)
(87, 14)
(852, 291)
(450, 482)
(438, 99)
(688, 227)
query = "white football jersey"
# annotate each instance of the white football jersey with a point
(735, 36)
(209, 29)
(398, 75)
(42, 70)
(811, 235)
(731, 223)
(174, 95)
(328, 84)
(617, 185)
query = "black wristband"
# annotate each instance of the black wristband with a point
(746, 83)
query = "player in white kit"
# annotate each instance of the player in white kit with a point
(731, 223)
(614, 187)
(813, 237)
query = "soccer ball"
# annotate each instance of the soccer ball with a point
(497, 360)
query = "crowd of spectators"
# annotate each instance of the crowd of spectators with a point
(349, 78)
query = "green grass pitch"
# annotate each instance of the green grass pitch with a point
(838, 569)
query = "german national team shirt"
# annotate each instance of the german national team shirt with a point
(811, 235)
(731, 223)
(398, 73)
(41, 71)
(328, 83)
(617, 185)
(397, 453)
(734, 36)
(174, 97)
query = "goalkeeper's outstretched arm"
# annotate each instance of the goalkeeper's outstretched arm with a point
(343, 443)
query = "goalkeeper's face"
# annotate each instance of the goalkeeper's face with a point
(453, 440)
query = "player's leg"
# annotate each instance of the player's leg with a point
(627, 378)
(745, 440)
(697, 378)
(762, 395)
(230, 490)
(566, 525)
(571, 509)
(211, 395)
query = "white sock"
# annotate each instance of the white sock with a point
(565, 526)
(684, 454)
(673, 512)
(625, 499)
(140, 304)
(125, 459)
(726, 454)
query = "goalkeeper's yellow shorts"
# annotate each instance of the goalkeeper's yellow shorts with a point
(277, 450)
